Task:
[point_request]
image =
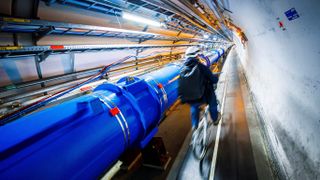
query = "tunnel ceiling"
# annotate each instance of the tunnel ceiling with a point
(193, 17)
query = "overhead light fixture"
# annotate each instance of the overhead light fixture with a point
(139, 19)
(205, 36)
(201, 10)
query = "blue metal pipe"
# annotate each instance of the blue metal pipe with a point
(83, 137)
(214, 56)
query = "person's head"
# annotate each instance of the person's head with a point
(192, 52)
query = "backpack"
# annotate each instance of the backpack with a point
(191, 84)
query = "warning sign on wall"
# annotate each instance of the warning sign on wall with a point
(292, 14)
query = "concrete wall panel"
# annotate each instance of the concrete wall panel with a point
(282, 67)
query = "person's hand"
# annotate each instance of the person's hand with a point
(217, 73)
(215, 86)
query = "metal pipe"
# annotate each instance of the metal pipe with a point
(46, 80)
(52, 88)
(112, 79)
(68, 84)
(40, 91)
(135, 66)
(65, 76)
(62, 85)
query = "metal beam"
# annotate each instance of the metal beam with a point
(17, 51)
(42, 28)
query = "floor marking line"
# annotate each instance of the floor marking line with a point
(216, 145)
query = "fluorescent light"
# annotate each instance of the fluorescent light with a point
(200, 9)
(140, 19)
(206, 36)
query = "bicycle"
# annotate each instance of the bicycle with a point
(200, 137)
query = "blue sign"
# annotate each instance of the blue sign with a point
(292, 14)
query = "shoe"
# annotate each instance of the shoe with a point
(216, 122)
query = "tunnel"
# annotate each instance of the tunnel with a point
(103, 89)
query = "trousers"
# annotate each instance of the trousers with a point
(195, 111)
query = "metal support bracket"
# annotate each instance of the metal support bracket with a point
(106, 76)
(140, 50)
(145, 28)
(175, 41)
(44, 32)
(38, 60)
(141, 40)
(136, 59)
(42, 56)
(194, 35)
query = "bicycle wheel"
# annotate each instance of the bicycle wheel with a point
(199, 144)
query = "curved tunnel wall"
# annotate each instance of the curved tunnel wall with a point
(83, 137)
(282, 68)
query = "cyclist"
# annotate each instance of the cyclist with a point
(196, 87)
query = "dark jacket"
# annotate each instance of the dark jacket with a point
(209, 79)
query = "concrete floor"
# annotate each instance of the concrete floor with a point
(235, 154)
(173, 130)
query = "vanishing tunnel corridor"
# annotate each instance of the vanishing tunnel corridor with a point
(110, 89)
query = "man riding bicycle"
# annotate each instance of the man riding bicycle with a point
(196, 87)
